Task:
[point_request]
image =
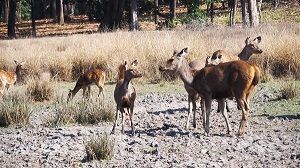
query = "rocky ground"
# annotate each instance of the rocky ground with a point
(272, 140)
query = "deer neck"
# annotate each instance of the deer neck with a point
(18, 73)
(126, 83)
(185, 73)
(245, 54)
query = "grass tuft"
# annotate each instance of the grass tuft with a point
(100, 148)
(82, 112)
(289, 90)
(40, 90)
(14, 110)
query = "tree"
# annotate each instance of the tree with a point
(172, 9)
(253, 14)
(156, 12)
(134, 18)
(53, 9)
(245, 17)
(61, 12)
(33, 18)
(113, 13)
(232, 4)
(11, 32)
(6, 11)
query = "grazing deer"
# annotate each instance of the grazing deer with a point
(233, 79)
(221, 56)
(125, 93)
(93, 76)
(186, 72)
(8, 78)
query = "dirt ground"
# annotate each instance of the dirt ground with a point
(272, 140)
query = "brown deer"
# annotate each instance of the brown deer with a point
(187, 72)
(125, 93)
(93, 76)
(8, 78)
(221, 56)
(233, 79)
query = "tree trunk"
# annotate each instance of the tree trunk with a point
(245, 14)
(11, 32)
(134, 18)
(212, 12)
(19, 11)
(156, 12)
(232, 4)
(253, 14)
(259, 3)
(53, 10)
(6, 11)
(33, 18)
(61, 13)
(172, 9)
(113, 13)
(275, 4)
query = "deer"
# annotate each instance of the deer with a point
(251, 47)
(232, 79)
(125, 93)
(9, 78)
(94, 76)
(193, 96)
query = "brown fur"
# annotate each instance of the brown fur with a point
(232, 79)
(221, 56)
(125, 93)
(93, 76)
(9, 78)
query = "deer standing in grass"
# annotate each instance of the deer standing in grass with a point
(233, 79)
(192, 94)
(221, 56)
(93, 76)
(8, 78)
(125, 93)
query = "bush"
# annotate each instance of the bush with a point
(289, 90)
(40, 90)
(82, 112)
(14, 110)
(100, 148)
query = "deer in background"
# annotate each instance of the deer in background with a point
(93, 76)
(8, 78)
(125, 93)
(187, 72)
(221, 56)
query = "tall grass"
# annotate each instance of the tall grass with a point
(65, 57)
(82, 112)
(14, 110)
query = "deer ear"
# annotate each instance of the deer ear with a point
(134, 63)
(16, 62)
(183, 52)
(247, 40)
(175, 52)
(257, 39)
(125, 65)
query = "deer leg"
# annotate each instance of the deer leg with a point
(202, 104)
(122, 113)
(194, 110)
(241, 104)
(189, 112)
(115, 123)
(226, 104)
(131, 120)
(222, 104)
(83, 93)
(208, 101)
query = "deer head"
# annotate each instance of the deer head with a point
(251, 46)
(174, 63)
(131, 70)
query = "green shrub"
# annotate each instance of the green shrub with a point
(40, 90)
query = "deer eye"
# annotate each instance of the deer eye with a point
(220, 56)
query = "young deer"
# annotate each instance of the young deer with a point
(8, 78)
(93, 76)
(213, 83)
(221, 56)
(187, 72)
(125, 93)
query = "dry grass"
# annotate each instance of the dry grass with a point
(82, 112)
(40, 90)
(289, 90)
(100, 148)
(65, 57)
(14, 109)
